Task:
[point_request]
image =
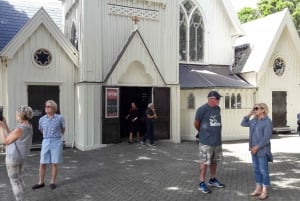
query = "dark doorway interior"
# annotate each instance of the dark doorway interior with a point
(37, 96)
(141, 96)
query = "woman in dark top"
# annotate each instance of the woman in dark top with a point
(134, 126)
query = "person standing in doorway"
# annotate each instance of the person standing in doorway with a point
(52, 126)
(260, 126)
(133, 120)
(151, 116)
(209, 126)
(18, 143)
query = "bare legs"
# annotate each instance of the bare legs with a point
(131, 135)
(54, 169)
(203, 167)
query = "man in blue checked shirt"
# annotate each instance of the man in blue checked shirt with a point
(52, 126)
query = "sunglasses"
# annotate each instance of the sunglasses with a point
(256, 108)
(48, 106)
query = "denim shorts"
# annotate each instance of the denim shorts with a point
(210, 153)
(52, 151)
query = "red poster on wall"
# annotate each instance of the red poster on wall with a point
(111, 102)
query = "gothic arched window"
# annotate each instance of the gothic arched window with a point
(191, 101)
(238, 101)
(227, 101)
(232, 101)
(191, 33)
(74, 37)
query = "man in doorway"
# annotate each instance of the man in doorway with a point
(151, 116)
(209, 126)
(52, 126)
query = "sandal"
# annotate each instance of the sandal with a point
(255, 193)
(263, 196)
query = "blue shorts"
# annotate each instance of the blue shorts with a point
(52, 151)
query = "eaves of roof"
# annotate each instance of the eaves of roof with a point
(209, 76)
(263, 35)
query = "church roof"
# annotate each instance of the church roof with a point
(14, 14)
(41, 18)
(209, 76)
(262, 36)
(233, 17)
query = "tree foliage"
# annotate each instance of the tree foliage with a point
(267, 7)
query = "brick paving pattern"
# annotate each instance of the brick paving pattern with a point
(164, 173)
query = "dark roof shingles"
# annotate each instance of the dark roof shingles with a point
(14, 15)
(209, 76)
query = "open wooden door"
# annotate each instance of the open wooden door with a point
(162, 106)
(111, 115)
(37, 96)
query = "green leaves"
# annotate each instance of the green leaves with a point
(267, 7)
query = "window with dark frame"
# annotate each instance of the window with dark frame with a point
(42, 57)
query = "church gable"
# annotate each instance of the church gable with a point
(135, 65)
(40, 18)
(263, 35)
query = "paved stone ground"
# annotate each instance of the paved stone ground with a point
(167, 172)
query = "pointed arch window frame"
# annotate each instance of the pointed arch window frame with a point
(74, 35)
(184, 49)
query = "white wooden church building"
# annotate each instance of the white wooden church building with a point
(96, 57)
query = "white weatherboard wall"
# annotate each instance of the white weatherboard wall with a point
(288, 82)
(231, 118)
(88, 118)
(25, 72)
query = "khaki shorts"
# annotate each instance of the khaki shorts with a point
(209, 153)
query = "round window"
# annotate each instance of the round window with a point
(42, 57)
(279, 66)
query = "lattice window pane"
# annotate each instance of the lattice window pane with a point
(227, 101)
(232, 101)
(239, 101)
(191, 101)
(182, 37)
(196, 37)
(188, 5)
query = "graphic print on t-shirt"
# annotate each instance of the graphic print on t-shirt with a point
(213, 121)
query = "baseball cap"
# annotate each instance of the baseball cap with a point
(214, 94)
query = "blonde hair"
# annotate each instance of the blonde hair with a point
(25, 112)
(53, 104)
(264, 106)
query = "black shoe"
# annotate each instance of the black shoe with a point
(37, 186)
(52, 186)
